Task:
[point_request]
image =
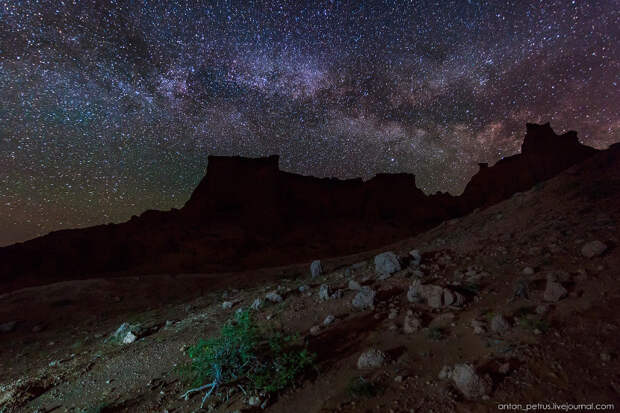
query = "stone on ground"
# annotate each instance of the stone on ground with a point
(499, 324)
(371, 359)
(386, 264)
(316, 269)
(364, 299)
(469, 382)
(324, 292)
(554, 291)
(593, 249)
(416, 258)
(273, 297)
(411, 324)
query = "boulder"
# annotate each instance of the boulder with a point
(593, 248)
(433, 294)
(414, 294)
(354, 285)
(328, 320)
(324, 292)
(273, 297)
(386, 264)
(364, 299)
(554, 291)
(371, 359)
(478, 326)
(467, 381)
(256, 304)
(416, 257)
(316, 269)
(125, 334)
(499, 324)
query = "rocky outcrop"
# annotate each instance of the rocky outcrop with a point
(246, 214)
(543, 155)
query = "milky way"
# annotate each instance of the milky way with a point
(109, 108)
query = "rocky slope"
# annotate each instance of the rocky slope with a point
(516, 303)
(246, 214)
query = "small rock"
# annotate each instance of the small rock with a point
(554, 291)
(371, 359)
(125, 334)
(315, 330)
(386, 264)
(504, 368)
(478, 326)
(448, 297)
(415, 291)
(416, 258)
(303, 288)
(468, 382)
(528, 271)
(316, 269)
(398, 379)
(8, 327)
(324, 292)
(411, 324)
(328, 320)
(227, 305)
(254, 401)
(542, 309)
(445, 373)
(354, 285)
(593, 249)
(336, 295)
(521, 289)
(393, 314)
(499, 324)
(605, 357)
(459, 299)
(256, 304)
(129, 338)
(364, 299)
(273, 297)
(433, 295)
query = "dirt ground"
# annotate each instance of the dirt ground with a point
(56, 358)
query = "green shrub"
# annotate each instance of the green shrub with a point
(260, 361)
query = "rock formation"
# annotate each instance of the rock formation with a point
(246, 213)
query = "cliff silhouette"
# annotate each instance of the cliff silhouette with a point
(247, 214)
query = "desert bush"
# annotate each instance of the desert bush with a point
(243, 354)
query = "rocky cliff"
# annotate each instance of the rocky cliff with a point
(246, 213)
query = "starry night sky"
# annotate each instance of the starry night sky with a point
(109, 108)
